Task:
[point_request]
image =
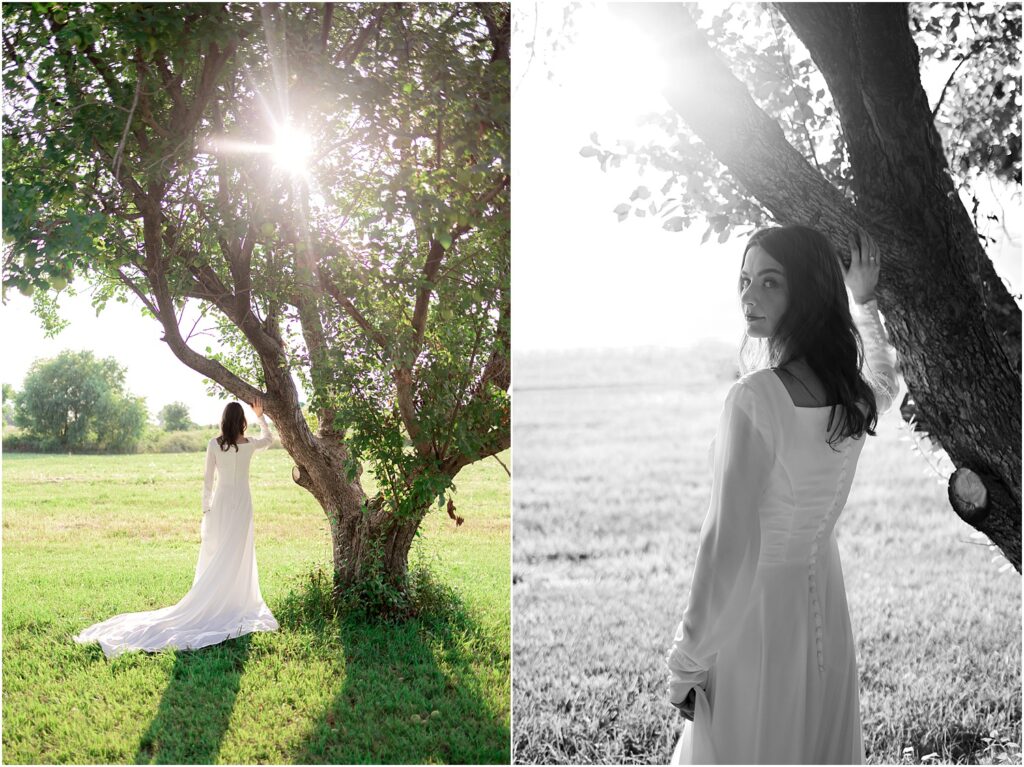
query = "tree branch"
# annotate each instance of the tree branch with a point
(738, 132)
(352, 49)
(326, 27)
(138, 292)
(419, 313)
(949, 80)
(350, 309)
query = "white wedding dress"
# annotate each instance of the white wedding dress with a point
(225, 600)
(766, 641)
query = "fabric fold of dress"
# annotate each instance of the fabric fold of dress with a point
(225, 599)
(766, 641)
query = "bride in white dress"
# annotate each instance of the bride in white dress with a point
(225, 600)
(763, 666)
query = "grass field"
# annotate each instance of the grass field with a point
(87, 537)
(611, 485)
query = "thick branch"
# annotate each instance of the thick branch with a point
(213, 63)
(402, 376)
(419, 315)
(325, 30)
(171, 82)
(305, 300)
(353, 48)
(499, 28)
(165, 313)
(740, 134)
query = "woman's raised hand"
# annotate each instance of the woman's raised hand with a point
(865, 262)
(257, 406)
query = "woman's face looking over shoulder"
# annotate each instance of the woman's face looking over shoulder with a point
(764, 295)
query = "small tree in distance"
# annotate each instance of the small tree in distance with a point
(174, 417)
(8, 404)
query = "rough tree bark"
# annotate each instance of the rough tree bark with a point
(952, 321)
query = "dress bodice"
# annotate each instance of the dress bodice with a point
(809, 481)
(231, 467)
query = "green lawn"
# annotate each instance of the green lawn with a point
(611, 485)
(87, 537)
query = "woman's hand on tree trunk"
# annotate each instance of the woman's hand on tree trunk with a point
(257, 407)
(865, 264)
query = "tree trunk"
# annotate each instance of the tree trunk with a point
(950, 318)
(366, 538)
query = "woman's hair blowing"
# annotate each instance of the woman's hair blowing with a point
(817, 326)
(232, 426)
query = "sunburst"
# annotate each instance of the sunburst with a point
(291, 150)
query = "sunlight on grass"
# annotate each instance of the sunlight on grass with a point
(86, 537)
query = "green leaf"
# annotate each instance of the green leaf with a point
(674, 224)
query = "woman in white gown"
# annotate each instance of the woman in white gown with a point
(225, 600)
(763, 665)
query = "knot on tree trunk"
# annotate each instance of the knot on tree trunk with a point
(968, 496)
(301, 478)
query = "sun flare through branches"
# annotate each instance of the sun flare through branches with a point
(291, 150)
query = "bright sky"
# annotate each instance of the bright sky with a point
(120, 331)
(580, 278)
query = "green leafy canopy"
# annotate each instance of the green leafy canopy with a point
(377, 277)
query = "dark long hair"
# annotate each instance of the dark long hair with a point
(816, 326)
(232, 426)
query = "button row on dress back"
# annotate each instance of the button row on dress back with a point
(822, 526)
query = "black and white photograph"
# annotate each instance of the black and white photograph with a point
(766, 383)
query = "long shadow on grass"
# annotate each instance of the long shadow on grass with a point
(196, 705)
(414, 691)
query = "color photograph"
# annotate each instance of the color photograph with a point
(256, 412)
(767, 429)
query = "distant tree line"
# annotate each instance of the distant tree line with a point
(76, 402)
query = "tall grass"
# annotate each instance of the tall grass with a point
(611, 485)
(87, 537)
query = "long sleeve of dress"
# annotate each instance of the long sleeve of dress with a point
(730, 539)
(211, 468)
(266, 437)
(879, 357)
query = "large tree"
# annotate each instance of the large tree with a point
(328, 185)
(752, 139)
